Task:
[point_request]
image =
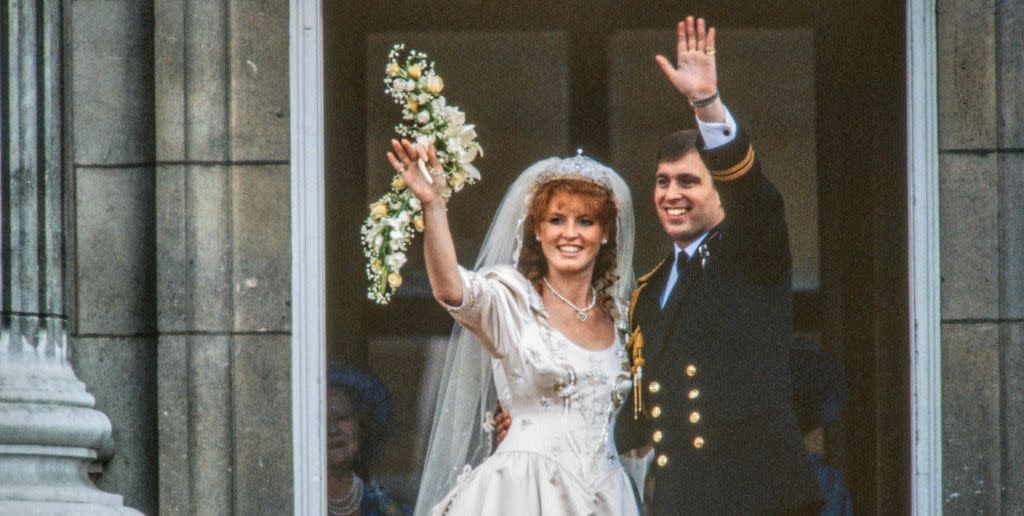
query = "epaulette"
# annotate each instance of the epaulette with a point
(640, 284)
(643, 279)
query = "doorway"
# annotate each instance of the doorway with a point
(585, 88)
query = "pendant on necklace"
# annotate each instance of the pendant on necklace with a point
(581, 315)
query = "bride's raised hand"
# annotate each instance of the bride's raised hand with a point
(694, 74)
(419, 168)
(424, 177)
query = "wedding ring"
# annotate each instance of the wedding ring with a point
(710, 51)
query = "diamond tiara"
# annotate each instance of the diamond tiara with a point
(579, 166)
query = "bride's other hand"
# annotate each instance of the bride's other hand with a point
(426, 184)
(502, 422)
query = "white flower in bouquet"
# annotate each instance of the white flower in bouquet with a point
(397, 260)
(411, 82)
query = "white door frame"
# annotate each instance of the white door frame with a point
(306, 99)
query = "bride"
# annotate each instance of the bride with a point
(544, 314)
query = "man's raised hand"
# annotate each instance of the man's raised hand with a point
(694, 74)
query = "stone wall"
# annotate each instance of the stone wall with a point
(981, 140)
(178, 136)
(109, 89)
(223, 256)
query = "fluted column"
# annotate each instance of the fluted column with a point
(49, 430)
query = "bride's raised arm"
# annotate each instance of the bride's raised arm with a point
(426, 182)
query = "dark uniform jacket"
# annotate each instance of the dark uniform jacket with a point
(716, 393)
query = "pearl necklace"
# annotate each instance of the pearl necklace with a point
(581, 313)
(350, 502)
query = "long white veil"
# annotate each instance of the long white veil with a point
(466, 394)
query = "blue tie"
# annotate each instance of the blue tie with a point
(681, 260)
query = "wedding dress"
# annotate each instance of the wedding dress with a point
(559, 456)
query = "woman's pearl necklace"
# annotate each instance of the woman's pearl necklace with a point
(350, 502)
(581, 313)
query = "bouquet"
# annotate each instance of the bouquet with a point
(410, 80)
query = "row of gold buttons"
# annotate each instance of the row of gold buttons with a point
(691, 371)
(662, 460)
(658, 435)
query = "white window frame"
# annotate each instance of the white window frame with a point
(308, 265)
(309, 412)
(923, 259)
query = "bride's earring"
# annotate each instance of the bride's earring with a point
(536, 237)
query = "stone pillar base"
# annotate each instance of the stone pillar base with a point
(52, 480)
(50, 433)
(64, 509)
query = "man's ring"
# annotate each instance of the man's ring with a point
(710, 51)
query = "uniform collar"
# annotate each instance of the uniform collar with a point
(690, 249)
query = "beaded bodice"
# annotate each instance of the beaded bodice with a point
(564, 400)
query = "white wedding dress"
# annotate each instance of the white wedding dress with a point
(559, 457)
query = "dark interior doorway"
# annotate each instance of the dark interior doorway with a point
(855, 304)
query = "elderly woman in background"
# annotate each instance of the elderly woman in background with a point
(358, 419)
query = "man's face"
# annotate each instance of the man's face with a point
(686, 199)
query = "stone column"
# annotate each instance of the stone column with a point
(49, 431)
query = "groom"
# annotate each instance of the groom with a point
(711, 325)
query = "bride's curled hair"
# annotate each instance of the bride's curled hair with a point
(596, 199)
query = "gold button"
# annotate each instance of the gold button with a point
(698, 442)
(662, 460)
(693, 394)
(657, 436)
(655, 411)
(694, 417)
(691, 370)
(654, 387)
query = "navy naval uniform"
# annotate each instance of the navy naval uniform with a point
(716, 395)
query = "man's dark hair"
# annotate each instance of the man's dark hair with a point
(677, 145)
